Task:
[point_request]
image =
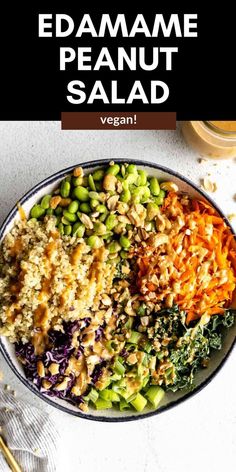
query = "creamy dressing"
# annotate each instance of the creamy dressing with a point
(211, 139)
(77, 254)
(21, 212)
(225, 125)
(41, 325)
(41, 321)
(16, 248)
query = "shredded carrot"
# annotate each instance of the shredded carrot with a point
(197, 267)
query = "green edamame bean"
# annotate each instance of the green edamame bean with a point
(94, 195)
(154, 186)
(61, 228)
(120, 178)
(58, 220)
(78, 230)
(102, 209)
(85, 181)
(123, 254)
(94, 203)
(107, 236)
(94, 241)
(91, 182)
(98, 175)
(37, 211)
(160, 199)
(146, 196)
(113, 170)
(99, 186)
(131, 179)
(142, 178)
(103, 216)
(152, 211)
(71, 217)
(162, 193)
(124, 242)
(81, 193)
(68, 178)
(67, 230)
(45, 202)
(140, 193)
(100, 228)
(132, 169)
(85, 208)
(137, 191)
(125, 196)
(73, 207)
(64, 221)
(114, 261)
(77, 181)
(65, 189)
(125, 185)
(110, 222)
(122, 170)
(49, 211)
(58, 210)
(114, 247)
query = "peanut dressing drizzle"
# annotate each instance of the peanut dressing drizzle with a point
(16, 248)
(77, 254)
(79, 368)
(21, 212)
(12, 312)
(41, 323)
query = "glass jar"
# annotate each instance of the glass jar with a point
(213, 139)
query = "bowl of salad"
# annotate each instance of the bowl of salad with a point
(117, 289)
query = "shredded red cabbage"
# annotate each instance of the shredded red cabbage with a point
(59, 351)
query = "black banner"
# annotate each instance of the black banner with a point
(201, 82)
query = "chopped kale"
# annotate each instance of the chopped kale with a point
(141, 311)
(170, 322)
(192, 351)
(185, 348)
(119, 274)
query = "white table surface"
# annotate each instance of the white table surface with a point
(198, 435)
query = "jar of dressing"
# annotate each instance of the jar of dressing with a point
(213, 139)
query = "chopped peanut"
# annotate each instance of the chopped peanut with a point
(78, 172)
(40, 369)
(55, 201)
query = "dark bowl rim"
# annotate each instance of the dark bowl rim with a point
(52, 178)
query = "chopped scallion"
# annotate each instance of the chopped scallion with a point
(109, 395)
(155, 395)
(101, 404)
(93, 395)
(139, 402)
(135, 337)
(118, 368)
(148, 347)
(124, 405)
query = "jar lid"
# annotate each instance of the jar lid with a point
(224, 128)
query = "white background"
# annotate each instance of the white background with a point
(200, 434)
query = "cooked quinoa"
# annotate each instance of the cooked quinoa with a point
(116, 289)
(47, 279)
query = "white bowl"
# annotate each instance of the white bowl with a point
(170, 399)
